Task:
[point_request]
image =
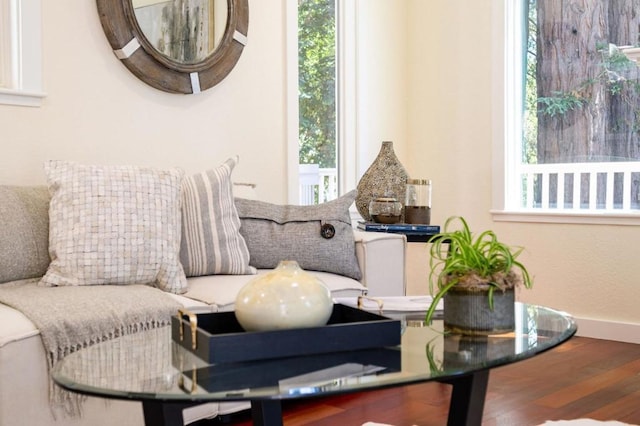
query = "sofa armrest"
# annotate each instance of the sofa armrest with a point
(381, 258)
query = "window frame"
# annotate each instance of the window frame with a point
(507, 112)
(4, 42)
(21, 45)
(346, 135)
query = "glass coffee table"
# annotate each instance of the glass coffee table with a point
(149, 367)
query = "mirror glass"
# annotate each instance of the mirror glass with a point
(185, 31)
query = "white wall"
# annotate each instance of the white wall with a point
(97, 111)
(591, 271)
(382, 84)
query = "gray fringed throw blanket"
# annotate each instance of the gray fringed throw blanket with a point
(71, 318)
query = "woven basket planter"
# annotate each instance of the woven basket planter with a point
(466, 311)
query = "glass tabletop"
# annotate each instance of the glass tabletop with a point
(150, 366)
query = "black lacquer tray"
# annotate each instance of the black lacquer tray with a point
(219, 338)
(295, 374)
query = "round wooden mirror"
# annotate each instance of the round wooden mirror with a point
(178, 46)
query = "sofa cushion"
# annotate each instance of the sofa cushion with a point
(211, 239)
(318, 237)
(24, 232)
(16, 326)
(114, 225)
(221, 290)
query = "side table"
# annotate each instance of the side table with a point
(417, 261)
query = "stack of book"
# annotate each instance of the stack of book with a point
(401, 228)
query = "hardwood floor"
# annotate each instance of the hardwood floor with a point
(584, 378)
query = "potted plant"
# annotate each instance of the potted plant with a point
(476, 276)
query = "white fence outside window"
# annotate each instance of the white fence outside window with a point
(581, 187)
(317, 184)
(612, 187)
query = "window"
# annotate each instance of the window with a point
(321, 99)
(571, 112)
(20, 52)
(317, 43)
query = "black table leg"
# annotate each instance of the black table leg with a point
(266, 413)
(467, 399)
(162, 413)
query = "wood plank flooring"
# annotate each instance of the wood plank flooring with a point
(583, 378)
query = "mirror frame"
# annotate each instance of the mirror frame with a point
(134, 50)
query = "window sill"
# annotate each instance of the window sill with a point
(21, 98)
(590, 218)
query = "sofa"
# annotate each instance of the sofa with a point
(26, 235)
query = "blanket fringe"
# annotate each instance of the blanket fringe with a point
(69, 404)
(71, 318)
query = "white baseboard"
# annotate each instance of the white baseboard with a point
(608, 330)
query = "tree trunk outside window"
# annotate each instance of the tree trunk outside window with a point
(589, 96)
(624, 99)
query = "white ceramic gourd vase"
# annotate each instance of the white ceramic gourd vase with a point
(287, 297)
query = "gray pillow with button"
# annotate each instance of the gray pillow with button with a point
(318, 237)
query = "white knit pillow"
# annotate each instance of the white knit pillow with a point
(211, 239)
(114, 225)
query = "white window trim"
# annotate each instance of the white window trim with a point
(22, 53)
(506, 111)
(347, 71)
(293, 195)
(4, 42)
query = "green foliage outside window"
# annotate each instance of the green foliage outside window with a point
(317, 82)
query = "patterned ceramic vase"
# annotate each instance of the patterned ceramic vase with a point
(385, 177)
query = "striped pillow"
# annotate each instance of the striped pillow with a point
(211, 241)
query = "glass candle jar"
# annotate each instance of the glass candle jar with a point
(417, 208)
(385, 210)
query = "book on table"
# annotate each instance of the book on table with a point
(399, 227)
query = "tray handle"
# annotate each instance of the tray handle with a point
(378, 301)
(193, 323)
(194, 379)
